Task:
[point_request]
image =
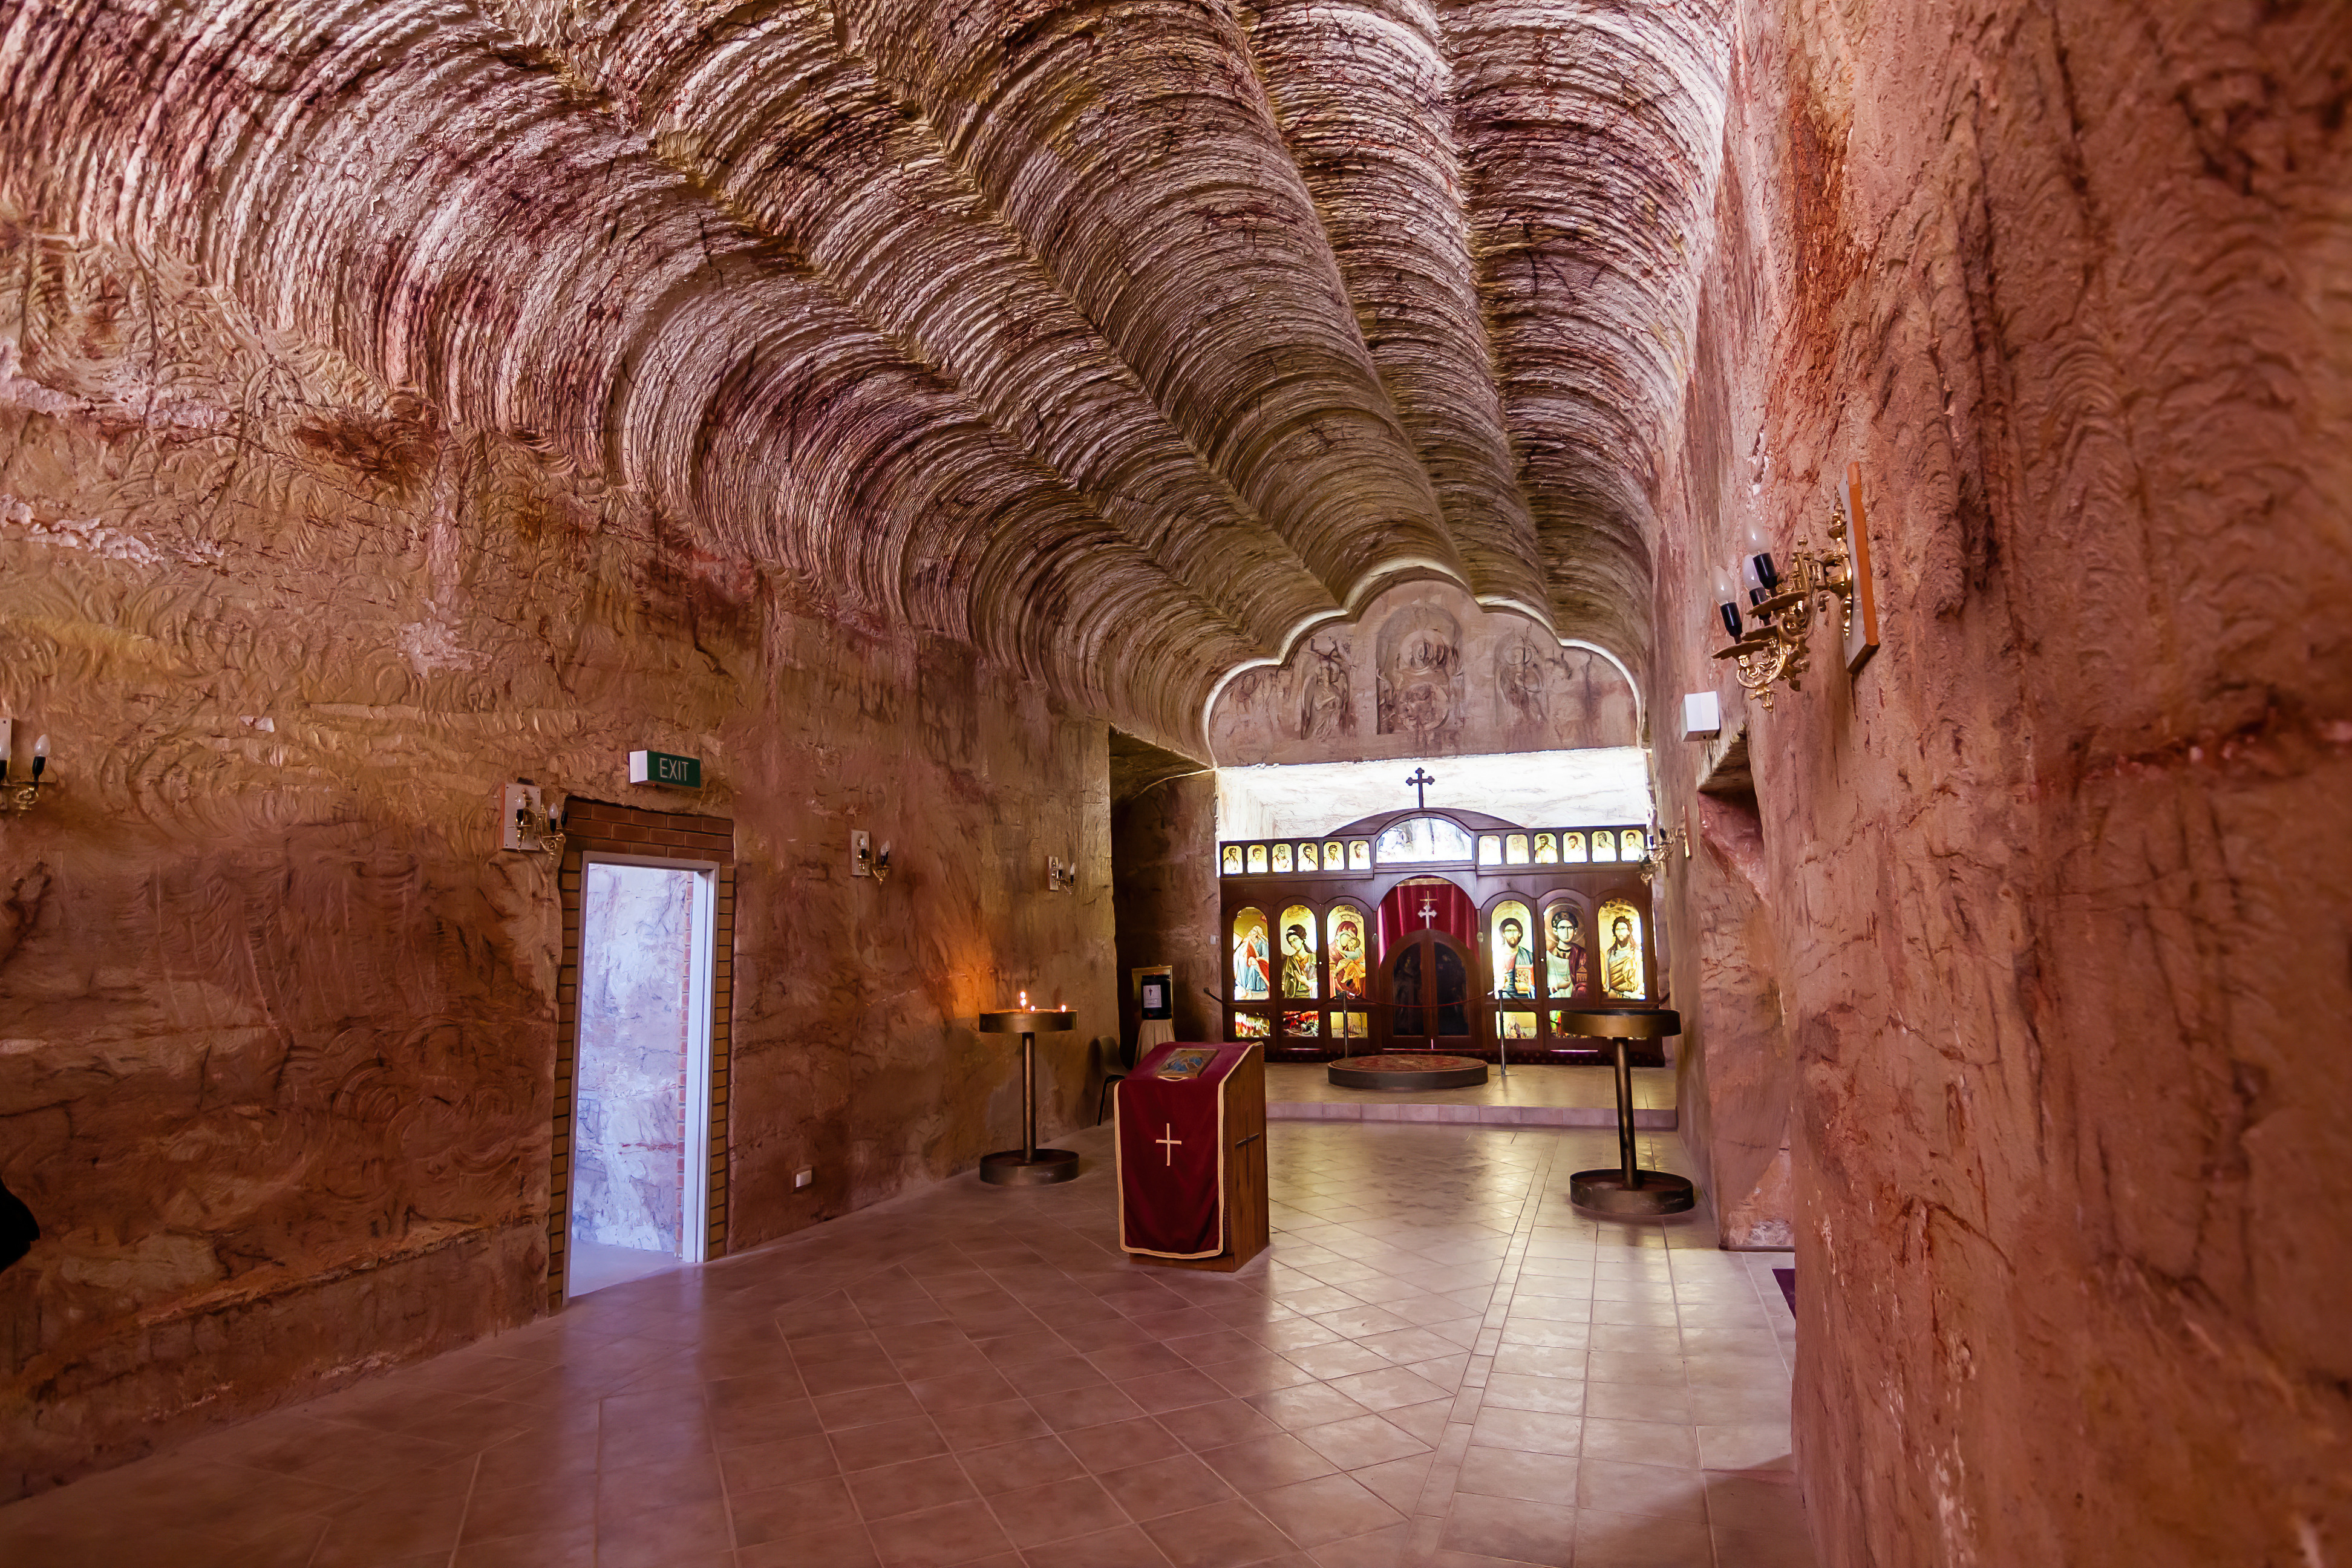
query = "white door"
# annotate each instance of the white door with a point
(641, 1075)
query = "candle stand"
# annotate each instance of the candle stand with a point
(1627, 1192)
(1028, 1166)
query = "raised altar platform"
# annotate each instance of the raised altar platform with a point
(1533, 1096)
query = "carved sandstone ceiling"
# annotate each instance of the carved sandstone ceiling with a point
(1124, 340)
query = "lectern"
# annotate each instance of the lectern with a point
(1628, 1190)
(1191, 1135)
(1027, 1166)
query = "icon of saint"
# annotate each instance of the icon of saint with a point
(1297, 963)
(1251, 973)
(1515, 966)
(1348, 960)
(1566, 952)
(1621, 965)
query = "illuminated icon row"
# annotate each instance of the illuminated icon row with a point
(1307, 855)
(1561, 969)
(1434, 840)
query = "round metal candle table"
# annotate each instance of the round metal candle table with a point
(1627, 1190)
(1028, 1166)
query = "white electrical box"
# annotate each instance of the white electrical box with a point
(803, 1178)
(1702, 716)
(514, 798)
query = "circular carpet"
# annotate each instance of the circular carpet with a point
(1408, 1069)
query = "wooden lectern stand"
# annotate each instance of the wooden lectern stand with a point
(1191, 1137)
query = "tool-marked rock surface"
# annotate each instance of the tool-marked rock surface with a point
(2050, 897)
(277, 1073)
(878, 399)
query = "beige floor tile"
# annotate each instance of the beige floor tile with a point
(1512, 1529)
(1223, 1535)
(1167, 1486)
(1532, 1431)
(1517, 1473)
(1762, 1549)
(1759, 1447)
(1655, 1443)
(1260, 1463)
(1605, 1540)
(1326, 1509)
(1361, 1440)
(1517, 1391)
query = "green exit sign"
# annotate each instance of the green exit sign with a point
(662, 768)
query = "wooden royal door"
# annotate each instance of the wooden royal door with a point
(1427, 982)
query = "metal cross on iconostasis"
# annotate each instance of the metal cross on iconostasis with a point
(1421, 781)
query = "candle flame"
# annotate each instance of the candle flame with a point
(1025, 1001)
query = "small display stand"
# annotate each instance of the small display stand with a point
(1191, 1135)
(1028, 1166)
(1627, 1192)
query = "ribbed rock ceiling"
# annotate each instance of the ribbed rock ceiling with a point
(1125, 340)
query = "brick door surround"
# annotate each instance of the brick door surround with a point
(593, 826)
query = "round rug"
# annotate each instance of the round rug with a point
(1407, 1070)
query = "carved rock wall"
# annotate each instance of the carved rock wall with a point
(1164, 860)
(1736, 1079)
(2053, 888)
(276, 1071)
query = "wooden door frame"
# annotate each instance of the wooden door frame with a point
(598, 827)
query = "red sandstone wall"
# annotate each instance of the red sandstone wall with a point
(2057, 889)
(277, 1023)
(1164, 846)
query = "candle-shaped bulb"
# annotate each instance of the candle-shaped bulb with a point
(40, 755)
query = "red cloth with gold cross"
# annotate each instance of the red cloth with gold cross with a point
(1171, 1114)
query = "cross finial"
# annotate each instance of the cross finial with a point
(1421, 781)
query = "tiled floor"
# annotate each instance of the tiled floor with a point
(596, 1265)
(1439, 1364)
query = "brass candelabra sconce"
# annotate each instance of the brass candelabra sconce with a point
(20, 796)
(1830, 586)
(529, 827)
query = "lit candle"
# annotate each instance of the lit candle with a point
(1025, 1001)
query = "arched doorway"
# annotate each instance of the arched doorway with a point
(1426, 969)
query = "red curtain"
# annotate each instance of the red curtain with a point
(1452, 912)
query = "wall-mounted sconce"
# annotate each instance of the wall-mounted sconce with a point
(868, 861)
(1061, 877)
(1782, 604)
(526, 825)
(1661, 841)
(17, 796)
